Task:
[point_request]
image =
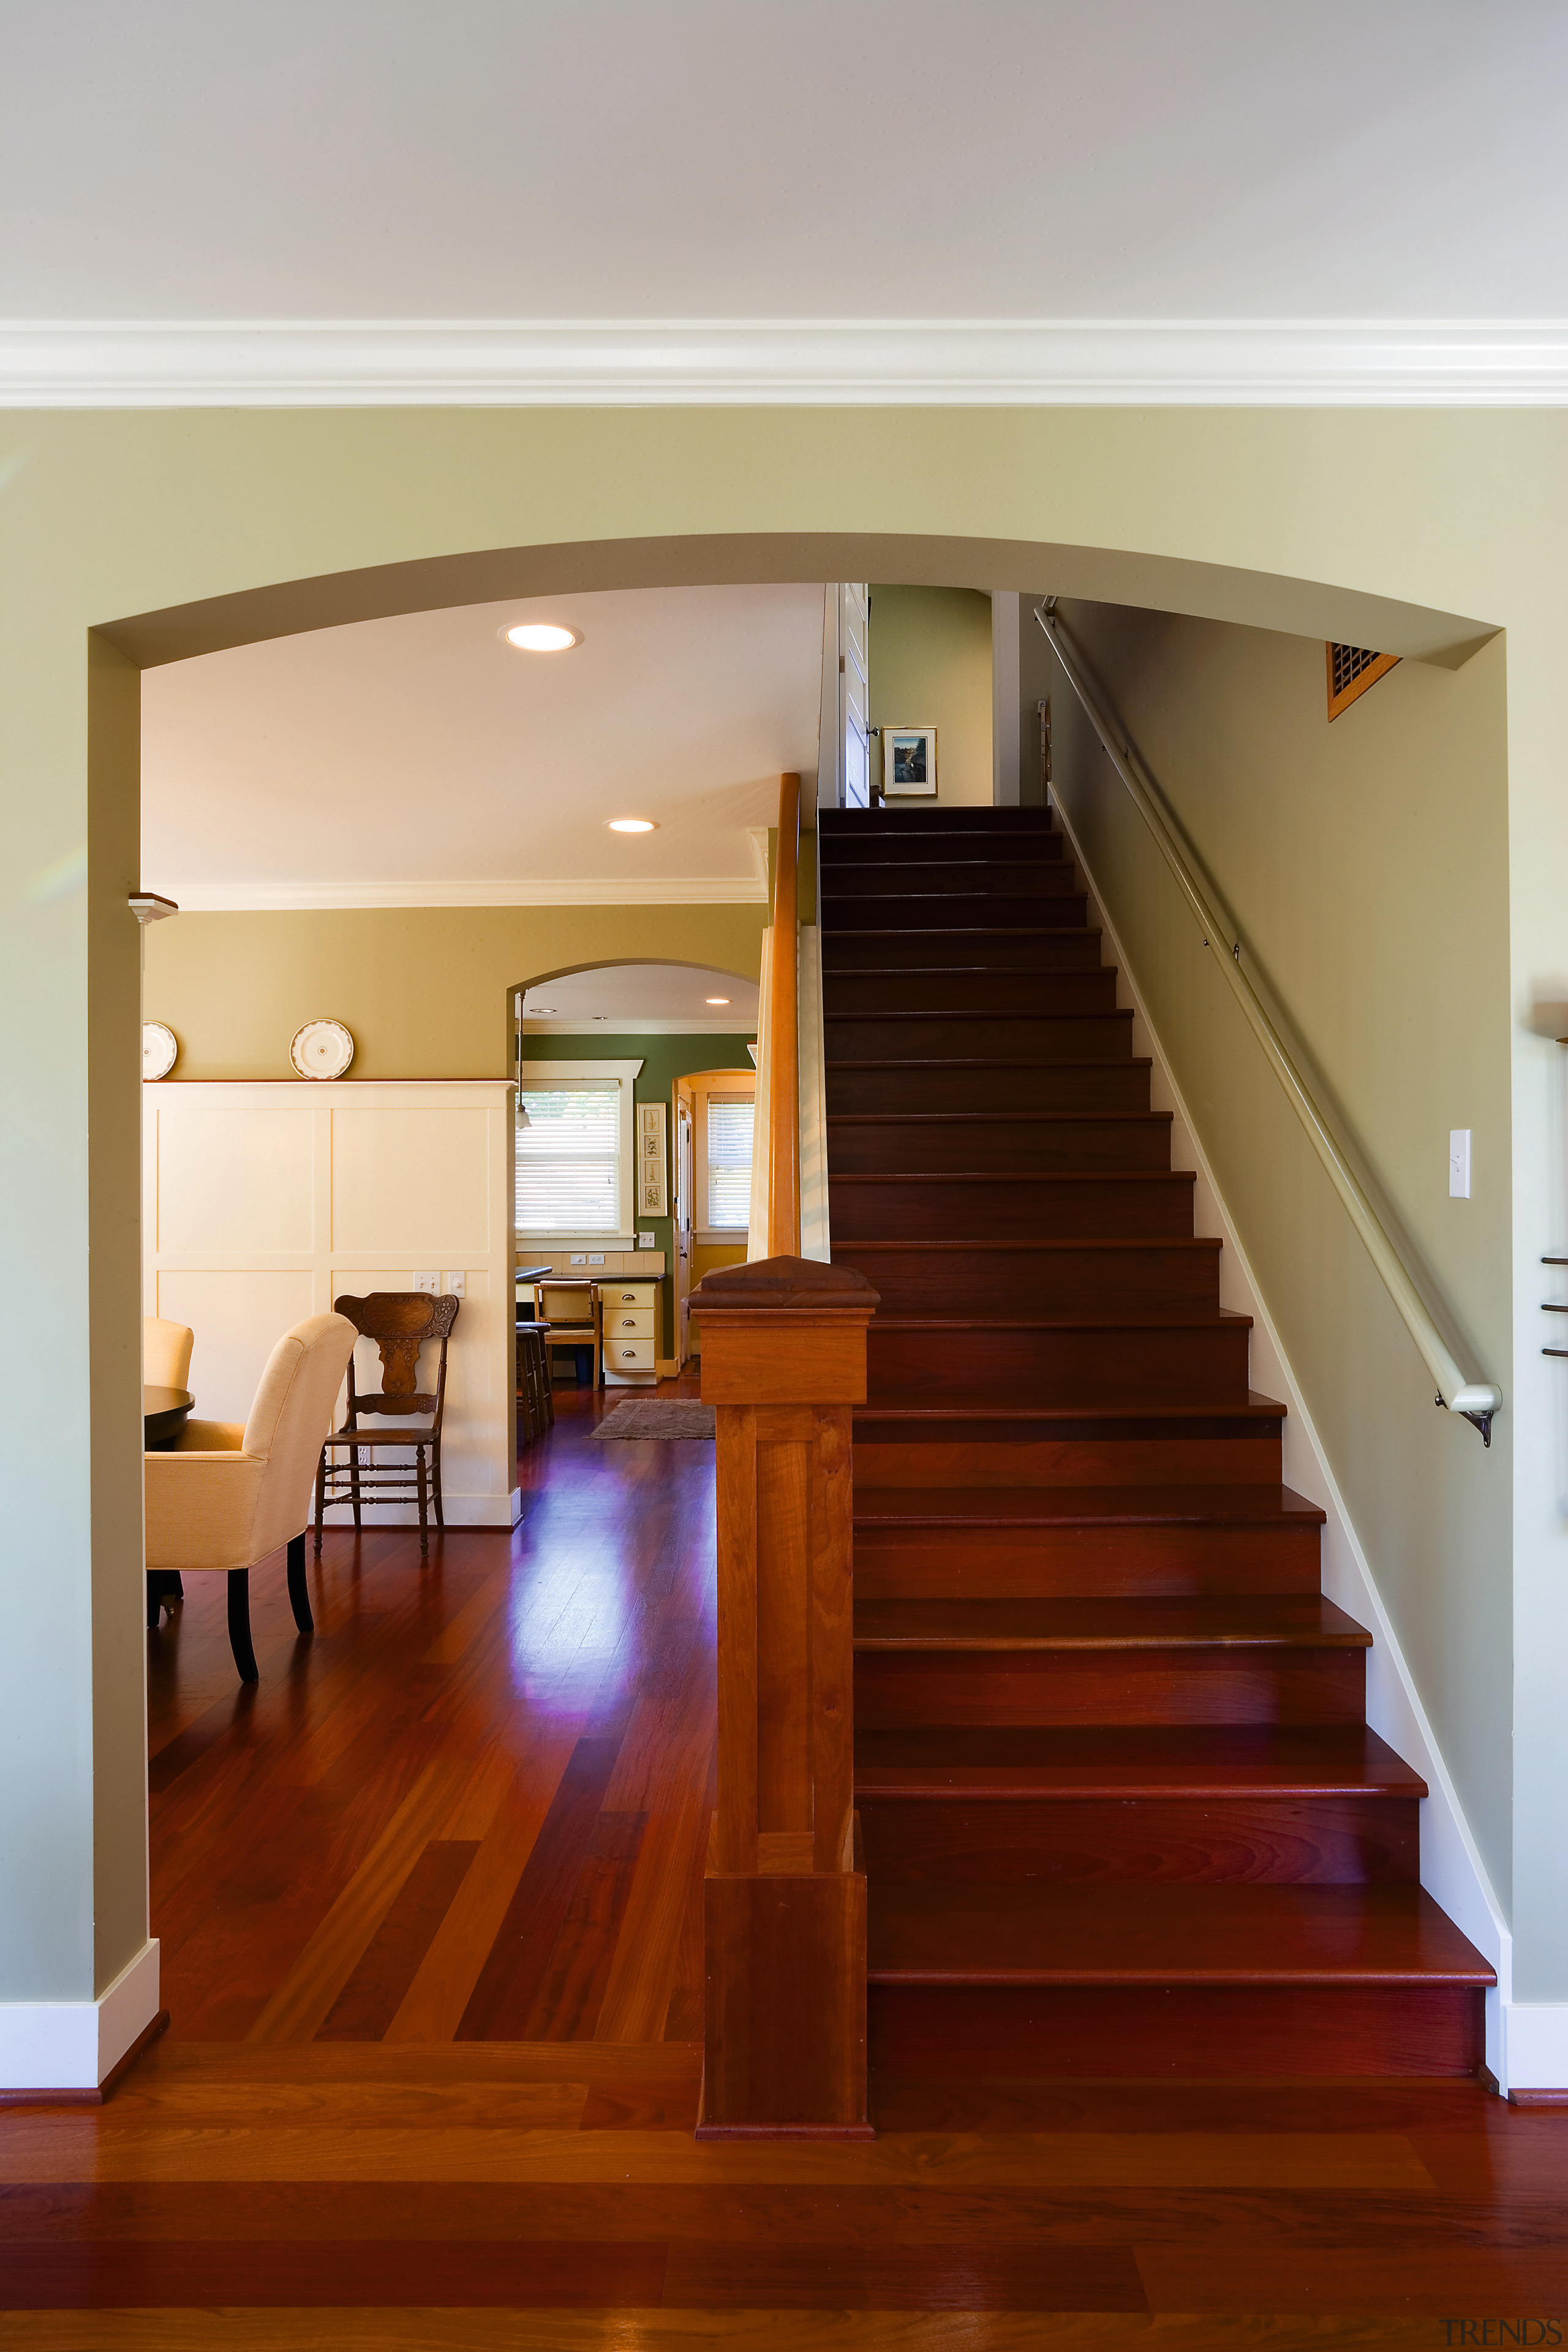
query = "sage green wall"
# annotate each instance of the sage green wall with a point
(1366, 866)
(178, 531)
(664, 1059)
(425, 991)
(930, 667)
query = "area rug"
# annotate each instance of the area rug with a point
(657, 1417)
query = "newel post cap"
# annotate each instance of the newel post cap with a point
(798, 1284)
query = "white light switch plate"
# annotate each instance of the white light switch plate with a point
(426, 1282)
(645, 1241)
(1458, 1163)
(579, 1258)
(457, 1285)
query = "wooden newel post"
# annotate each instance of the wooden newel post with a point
(784, 1360)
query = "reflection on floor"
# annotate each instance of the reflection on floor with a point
(429, 1906)
(474, 1806)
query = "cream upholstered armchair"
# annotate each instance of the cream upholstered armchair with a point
(227, 1496)
(166, 1352)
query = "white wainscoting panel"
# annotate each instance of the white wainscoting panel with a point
(263, 1204)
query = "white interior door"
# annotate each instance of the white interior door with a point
(853, 692)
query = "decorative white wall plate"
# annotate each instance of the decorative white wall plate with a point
(322, 1049)
(160, 1050)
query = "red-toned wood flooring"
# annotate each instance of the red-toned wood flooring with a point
(1122, 1812)
(427, 1899)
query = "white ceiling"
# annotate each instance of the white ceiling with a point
(667, 995)
(423, 760)
(809, 159)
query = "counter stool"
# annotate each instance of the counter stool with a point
(535, 1402)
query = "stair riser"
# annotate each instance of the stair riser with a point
(848, 853)
(920, 1146)
(951, 911)
(881, 825)
(978, 1036)
(1018, 876)
(1125, 1279)
(1190, 1841)
(971, 992)
(1068, 1209)
(912, 1689)
(985, 950)
(886, 1454)
(1177, 1366)
(1093, 1086)
(1176, 2031)
(1088, 1563)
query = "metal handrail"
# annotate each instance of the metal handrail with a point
(1477, 1400)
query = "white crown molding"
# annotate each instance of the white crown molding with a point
(310, 897)
(493, 363)
(634, 1024)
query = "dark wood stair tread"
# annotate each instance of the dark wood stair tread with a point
(969, 1062)
(1183, 1317)
(1083, 1507)
(1123, 1762)
(1205, 1622)
(1018, 1176)
(1123, 1014)
(943, 1119)
(1004, 1405)
(855, 1251)
(1030, 1932)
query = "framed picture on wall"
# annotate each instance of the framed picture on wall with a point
(909, 761)
(652, 1195)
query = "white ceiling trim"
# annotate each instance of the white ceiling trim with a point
(283, 898)
(371, 363)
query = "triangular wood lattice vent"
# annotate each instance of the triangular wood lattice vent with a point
(1352, 670)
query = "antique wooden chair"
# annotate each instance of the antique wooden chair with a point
(400, 1322)
(573, 1315)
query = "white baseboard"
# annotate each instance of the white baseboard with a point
(1535, 2045)
(1452, 1870)
(72, 2045)
(459, 1510)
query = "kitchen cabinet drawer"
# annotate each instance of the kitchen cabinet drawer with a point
(632, 1295)
(628, 1323)
(628, 1355)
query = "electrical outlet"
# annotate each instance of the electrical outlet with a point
(645, 1241)
(457, 1285)
(596, 1257)
(431, 1282)
(1458, 1163)
(578, 1258)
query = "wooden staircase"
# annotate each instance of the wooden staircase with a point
(1122, 1814)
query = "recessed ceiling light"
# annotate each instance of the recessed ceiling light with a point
(715, 1000)
(633, 825)
(542, 637)
(548, 1010)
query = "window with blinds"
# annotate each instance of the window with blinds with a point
(569, 1159)
(730, 1119)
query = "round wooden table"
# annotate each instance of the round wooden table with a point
(165, 1412)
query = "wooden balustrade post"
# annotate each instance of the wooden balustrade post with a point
(784, 1361)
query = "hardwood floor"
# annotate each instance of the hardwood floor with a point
(428, 1903)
